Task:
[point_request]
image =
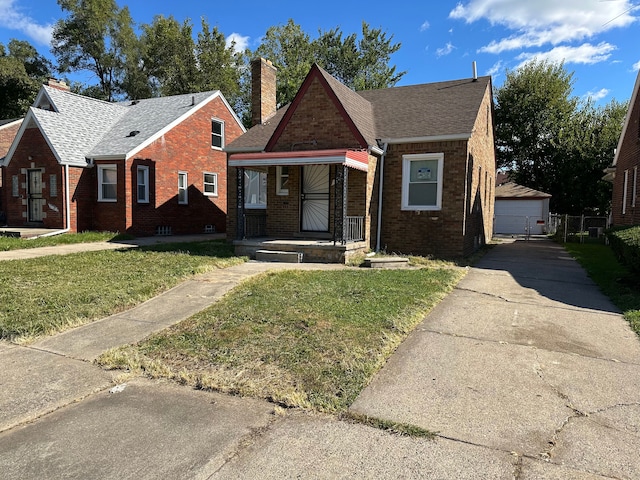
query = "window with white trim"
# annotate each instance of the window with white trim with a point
(282, 180)
(53, 185)
(210, 181)
(217, 133)
(143, 184)
(624, 191)
(183, 198)
(107, 183)
(422, 181)
(634, 187)
(255, 189)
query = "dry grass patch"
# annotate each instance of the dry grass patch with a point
(310, 339)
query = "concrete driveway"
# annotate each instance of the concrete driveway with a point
(525, 371)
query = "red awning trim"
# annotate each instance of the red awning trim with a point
(358, 159)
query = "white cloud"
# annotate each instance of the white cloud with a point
(12, 18)
(241, 42)
(495, 68)
(545, 21)
(446, 50)
(598, 95)
(424, 26)
(636, 66)
(586, 53)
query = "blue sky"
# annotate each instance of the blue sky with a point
(598, 39)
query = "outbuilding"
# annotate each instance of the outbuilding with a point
(520, 210)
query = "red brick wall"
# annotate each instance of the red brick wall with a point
(628, 158)
(33, 153)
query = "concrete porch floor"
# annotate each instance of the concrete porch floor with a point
(26, 232)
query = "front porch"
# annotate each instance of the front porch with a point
(309, 250)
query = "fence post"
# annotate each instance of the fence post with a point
(566, 220)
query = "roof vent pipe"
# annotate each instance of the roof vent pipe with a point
(475, 71)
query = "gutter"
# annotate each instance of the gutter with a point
(67, 206)
(379, 226)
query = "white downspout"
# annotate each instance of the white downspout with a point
(379, 226)
(67, 206)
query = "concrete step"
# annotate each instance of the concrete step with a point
(278, 256)
(386, 262)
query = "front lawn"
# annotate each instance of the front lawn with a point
(11, 243)
(46, 295)
(310, 339)
(615, 280)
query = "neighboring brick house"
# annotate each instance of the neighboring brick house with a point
(153, 166)
(8, 131)
(405, 169)
(625, 204)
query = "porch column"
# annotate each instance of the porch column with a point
(240, 233)
(340, 210)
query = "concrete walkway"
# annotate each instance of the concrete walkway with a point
(525, 370)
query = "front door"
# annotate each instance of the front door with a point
(314, 198)
(34, 200)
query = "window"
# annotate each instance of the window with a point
(210, 184)
(107, 183)
(422, 181)
(282, 179)
(15, 192)
(255, 189)
(182, 188)
(624, 191)
(634, 187)
(217, 133)
(53, 185)
(143, 184)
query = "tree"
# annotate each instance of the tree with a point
(22, 71)
(363, 64)
(94, 37)
(170, 55)
(549, 141)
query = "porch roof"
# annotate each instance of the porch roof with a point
(358, 159)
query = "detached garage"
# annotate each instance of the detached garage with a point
(520, 210)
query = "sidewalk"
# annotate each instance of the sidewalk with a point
(526, 371)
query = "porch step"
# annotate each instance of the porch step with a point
(386, 262)
(278, 256)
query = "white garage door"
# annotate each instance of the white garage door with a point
(513, 216)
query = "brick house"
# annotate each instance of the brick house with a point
(153, 166)
(405, 169)
(8, 131)
(625, 204)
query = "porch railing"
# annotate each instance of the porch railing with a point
(354, 229)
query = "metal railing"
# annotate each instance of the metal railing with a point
(579, 228)
(354, 229)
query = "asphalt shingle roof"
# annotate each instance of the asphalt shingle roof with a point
(415, 111)
(82, 127)
(513, 190)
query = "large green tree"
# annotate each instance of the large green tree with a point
(22, 71)
(361, 63)
(95, 36)
(550, 141)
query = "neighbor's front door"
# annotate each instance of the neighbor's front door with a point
(314, 198)
(34, 200)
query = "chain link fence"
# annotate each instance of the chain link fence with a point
(578, 229)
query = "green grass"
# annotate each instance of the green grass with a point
(11, 243)
(310, 339)
(615, 280)
(47, 295)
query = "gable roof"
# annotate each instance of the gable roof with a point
(431, 111)
(513, 191)
(78, 128)
(634, 102)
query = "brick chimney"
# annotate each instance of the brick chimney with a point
(59, 84)
(263, 90)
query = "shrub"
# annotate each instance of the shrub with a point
(625, 243)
